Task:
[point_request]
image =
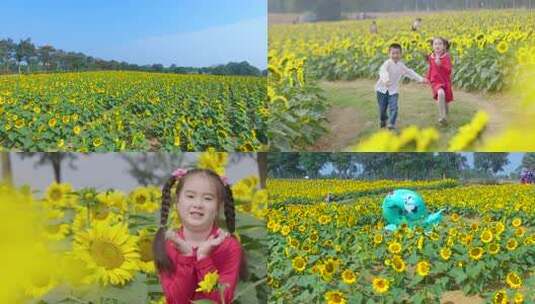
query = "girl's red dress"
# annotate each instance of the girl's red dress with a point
(179, 286)
(439, 76)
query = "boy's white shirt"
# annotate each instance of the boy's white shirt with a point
(391, 71)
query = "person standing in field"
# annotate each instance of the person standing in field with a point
(439, 76)
(387, 86)
(416, 24)
(373, 27)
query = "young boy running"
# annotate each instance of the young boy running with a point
(387, 87)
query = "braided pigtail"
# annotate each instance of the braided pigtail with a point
(161, 260)
(229, 210)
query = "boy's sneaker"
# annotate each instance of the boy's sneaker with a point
(391, 128)
(382, 125)
(443, 122)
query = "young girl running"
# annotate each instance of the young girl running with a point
(199, 247)
(439, 76)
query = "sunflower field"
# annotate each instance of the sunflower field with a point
(492, 51)
(116, 111)
(338, 251)
(87, 246)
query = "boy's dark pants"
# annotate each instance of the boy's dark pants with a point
(388, 108)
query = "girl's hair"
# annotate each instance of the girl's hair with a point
(444, 41)
(224, 194)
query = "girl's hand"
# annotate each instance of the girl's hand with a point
(180, 244)
(206, 247)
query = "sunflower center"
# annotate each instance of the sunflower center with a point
(106, 254)
(141, 199)
(145, 249)
(56, 194)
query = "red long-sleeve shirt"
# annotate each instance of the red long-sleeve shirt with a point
(179, 286)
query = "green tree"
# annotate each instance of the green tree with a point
(55, 159)
(311, 163)
(45, 54)
(25, 51)
(7, 52)
(528, 161)
(345, 164)
(154, 168)
(7, 173)
(284, 165)
(490, 163)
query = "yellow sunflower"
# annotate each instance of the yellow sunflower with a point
(142, 200)
(502, 47)
(109, 251)
(476, 253)
(52, 122)
(394, 247)
(299, 264)
(499, 227)
(422, 268)
(97, 142)
(511, 244)
(40, 283)
(494, 248)
(57, 232)
(349, 277)
(520, 231)
(420, 243)
(519, 298)
(516, 222)
(335, 297)
(380, 285)
(445, 253)
(486, 236)
(377, 239)
(500, 297)
(328, 268)
(513, 280)
(398, 263)
(216, 161)
(58, 195)
(209, 282)
(144, 243)
(113, 198)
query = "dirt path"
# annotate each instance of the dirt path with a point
(353, 115)
(344, 123)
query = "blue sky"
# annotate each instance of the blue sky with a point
(184, 32)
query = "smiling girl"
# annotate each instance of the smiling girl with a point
(199, 247)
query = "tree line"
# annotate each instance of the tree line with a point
(413, 166)
(25, 56)
(332, 9)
